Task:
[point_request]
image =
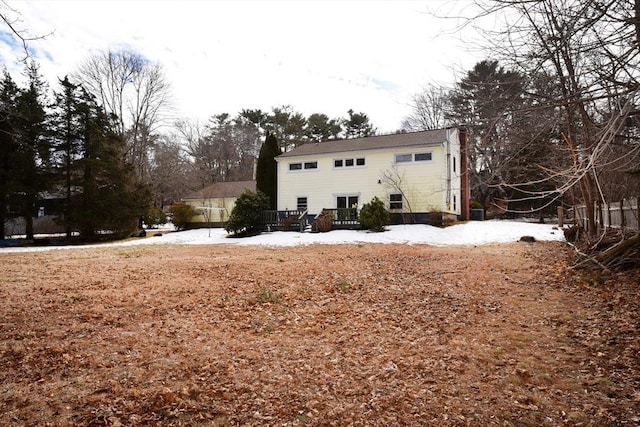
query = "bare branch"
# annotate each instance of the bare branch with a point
(21, 34)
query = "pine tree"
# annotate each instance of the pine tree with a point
(34, 156)
(110, 197)
(357, 125)
(8, 145)
(67, 131)
(267, 170)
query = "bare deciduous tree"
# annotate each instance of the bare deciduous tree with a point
(135, 90)
(590, 53)
(169, 170)
(428, 109)
(394, 180)
(11, 17)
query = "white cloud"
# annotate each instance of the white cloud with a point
(222, 56)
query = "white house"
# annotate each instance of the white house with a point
(415, 173)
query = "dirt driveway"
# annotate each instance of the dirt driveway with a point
(340, 335)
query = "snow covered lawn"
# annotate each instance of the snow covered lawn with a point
(470, 233)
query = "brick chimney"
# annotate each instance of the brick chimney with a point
(465, 191)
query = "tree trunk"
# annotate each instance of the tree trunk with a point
(28, 225)
(3, 218)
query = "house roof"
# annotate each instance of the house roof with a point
(222, 189)
(428, 137)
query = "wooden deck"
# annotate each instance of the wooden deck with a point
(295, 220)
(344, 218)
(299, 220)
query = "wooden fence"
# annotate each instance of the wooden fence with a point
(623, 214)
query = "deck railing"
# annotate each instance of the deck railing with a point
(296, 220)
(283, 220)
(344, 217)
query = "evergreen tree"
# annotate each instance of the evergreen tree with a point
(245, 214)
(357, 125)
(34, 155)
(287, 125)
(67, 141)
(321, 128)
(488, 100)
(8, 145)
(374, 215)
(267, 170)
(111, 198)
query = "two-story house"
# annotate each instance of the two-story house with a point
(416, 174)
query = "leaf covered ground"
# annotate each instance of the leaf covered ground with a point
(369, 334)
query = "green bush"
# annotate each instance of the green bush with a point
(245, 215)
(181, 214)
(374, 215)
(154, 216)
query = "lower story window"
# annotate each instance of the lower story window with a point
(395, 201)
(302, 203)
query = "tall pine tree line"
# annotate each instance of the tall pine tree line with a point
(69, 150)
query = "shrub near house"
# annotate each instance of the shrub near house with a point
(245, 216)
(182, 214)
(374, 216)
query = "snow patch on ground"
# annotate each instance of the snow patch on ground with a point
(470, 233)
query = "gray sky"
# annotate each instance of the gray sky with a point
(222, 56)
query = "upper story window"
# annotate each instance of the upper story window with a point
(349, 163)
(413, 157)
(305, 165)
(402, 158)
(422, 157)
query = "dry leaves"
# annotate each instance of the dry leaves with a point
(321, 335)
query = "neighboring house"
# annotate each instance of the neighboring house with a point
(48, 208)
(216, 201)
(416, 174)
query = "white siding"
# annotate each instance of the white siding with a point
(424, 183)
